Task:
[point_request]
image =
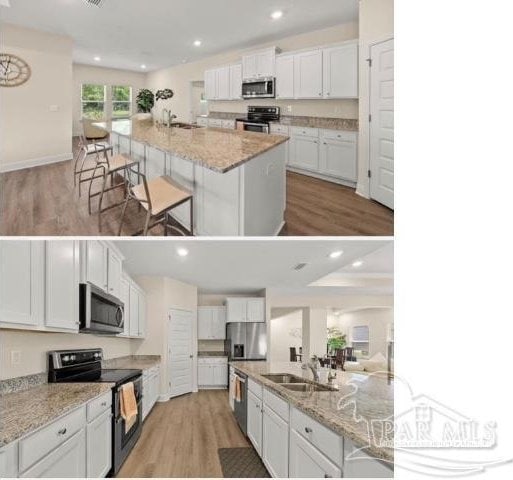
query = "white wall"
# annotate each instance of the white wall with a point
(33, 347)
(102, 76)
(376, 23)
(379, 320)
(178, 78)
(31, 134)
(286, 331)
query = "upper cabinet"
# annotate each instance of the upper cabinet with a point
(308, 74)
(102, 266)
(114, 272)
(211, 84)
(285, 76)
(259, 64)
(236, 82)
(240, 309)
(224, 83)
(341, 71)
(211, 323)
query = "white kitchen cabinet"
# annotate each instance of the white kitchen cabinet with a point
(340, 71)
(308, 462)
(205, 376)
(155, 164)
(211, 84)
(254, 421)
(275, 444)
(9, 461)
(211, 323)
(236, 82)
(304, 152)
(259, 64)
(99, 446)
(241, 309)
(308, 75)
(142, 315)
(134, 311)
(61, 284)
(223, 83)
(213, 372)
(114, 272)
(338, 155)
(151, 389)
(285, 76)
(22, 277)
(66, 461)
(125, 298)
(96, 263)
(220, 375)
(363, 465)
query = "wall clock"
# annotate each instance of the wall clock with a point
(14, 71)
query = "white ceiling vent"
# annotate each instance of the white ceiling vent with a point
(300, 266)
(94, 3)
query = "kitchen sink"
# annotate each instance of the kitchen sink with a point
(297, 384)
(185, 126)
(283, 378)
(306, 387)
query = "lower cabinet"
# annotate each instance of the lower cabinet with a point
(66, 461)
(212, 373)
(338, 159)
(99, 446)
(254, 421)
(151, 389)
(308, 462)
(9, 461)
(304, 152)
(363, 465)
(275, 444)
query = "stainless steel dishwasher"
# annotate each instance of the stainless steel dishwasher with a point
(241, 407)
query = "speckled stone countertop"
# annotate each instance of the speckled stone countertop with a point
(141, 362)
(24, 412)
(347, 124)
(364, 397)
(217, 149)
(212, 354)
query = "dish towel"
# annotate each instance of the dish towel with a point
(238, 386)
(128, 405)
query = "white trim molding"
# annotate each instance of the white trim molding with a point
(35, 162)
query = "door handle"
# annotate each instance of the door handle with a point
(308, 430)
(62, 431)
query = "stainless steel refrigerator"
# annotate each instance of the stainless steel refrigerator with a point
(246, 341)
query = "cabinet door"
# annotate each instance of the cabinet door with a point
(205, 323)
(99, 434)
(125, 298)
(22, 282)
(9, 461)
(341, 72)
(223, 83)
(265, 64)
(134, 311)
(255, 310)
(96, 263)
(142, 314)
(220, 375)
(146, 397)
(308, 462)
(249, 67)
(338, 159)
(364, 466)
(255, 422)
(62, 279)
(155, 165)
(285, 77)
(275, 444)
(210, 84)
(304, 153)
(218, 325)
(114, 274)
(308, 75)
(205, 375)
(236, 82)
(236, 310)
(66, 461)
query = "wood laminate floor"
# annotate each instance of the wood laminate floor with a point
(43, 201)
(180, 438)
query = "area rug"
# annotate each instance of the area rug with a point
(241, 463)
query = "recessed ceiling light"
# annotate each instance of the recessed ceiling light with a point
(183, 252)
(357, 264)
(97, 59)
(277, 15)
(197, 43)
(143, 67)
(336, 254)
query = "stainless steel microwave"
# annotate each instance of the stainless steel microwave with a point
(259, 88)
(100, 312)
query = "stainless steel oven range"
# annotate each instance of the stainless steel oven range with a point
(259, 119)
(86, 366)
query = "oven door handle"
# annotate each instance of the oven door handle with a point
(120, 317)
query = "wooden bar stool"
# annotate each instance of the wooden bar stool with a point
(158, 197)
(110, 166)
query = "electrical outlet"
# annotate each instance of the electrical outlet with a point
(289, 108)
(15, 357)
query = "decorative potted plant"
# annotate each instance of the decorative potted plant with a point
(145, 102)
(336, 340)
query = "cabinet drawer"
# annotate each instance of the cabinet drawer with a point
(279, 129)
(278, 405)
(339, 135)
(304, 131)
(98, 406)
(39, 444)
(213, 361)
(255, 388)
(327, 441)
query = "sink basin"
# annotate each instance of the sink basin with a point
(185, 126)
(283, 378)
(306, 387)
(295, 383)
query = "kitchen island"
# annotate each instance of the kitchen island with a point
(238, 178)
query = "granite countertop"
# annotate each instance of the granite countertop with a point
(25, 411)
(140, 362)
(349, 411)
(217, 149)
(212, 354)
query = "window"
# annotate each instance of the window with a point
(361, 340)
(93, 102)
(121, 102)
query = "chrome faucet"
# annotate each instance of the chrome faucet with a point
(331, 376)
(313, 365)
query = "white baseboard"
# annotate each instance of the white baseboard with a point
(320, 176)
(36, 162)
(164, 397)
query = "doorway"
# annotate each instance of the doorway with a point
(180, 352)
(199, 105)
(382, 123)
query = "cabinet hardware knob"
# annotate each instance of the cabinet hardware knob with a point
(62, 431)
(308, 430)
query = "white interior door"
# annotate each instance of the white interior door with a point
(382, 123)
(180, 352)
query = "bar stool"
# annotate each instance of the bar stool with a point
(158, 197)
(116, 164)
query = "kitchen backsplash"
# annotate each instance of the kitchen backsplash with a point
(210, 345)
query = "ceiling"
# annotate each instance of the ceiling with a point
(234, 266)
(160, 33)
